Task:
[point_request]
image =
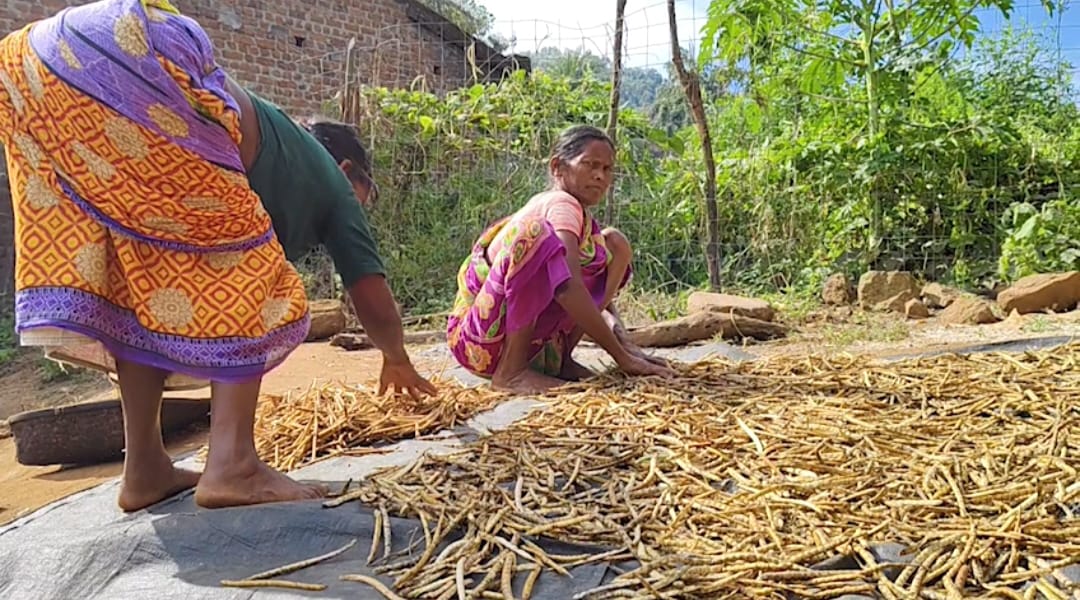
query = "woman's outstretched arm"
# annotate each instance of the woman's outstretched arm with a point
(575, 299)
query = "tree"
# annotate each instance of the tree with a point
(472, 17)
(573, 64)
(878, 44)
(640, 87)
(867, 39)
(668, 108)
(691, 83)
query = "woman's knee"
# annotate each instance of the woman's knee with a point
(617, 244)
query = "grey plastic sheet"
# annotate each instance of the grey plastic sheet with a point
(80, 549)
(1007, 346)
(84, 547)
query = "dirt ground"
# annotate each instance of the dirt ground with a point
(27, 383)
(24, 489)
(878, 334)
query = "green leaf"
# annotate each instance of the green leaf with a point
(427, 124)
(821, 74)
(1071, 257)
(1028, 228)
(753, 117)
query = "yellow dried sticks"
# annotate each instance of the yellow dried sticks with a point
(733, 480)
(332, 419)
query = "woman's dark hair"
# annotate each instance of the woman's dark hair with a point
(342, 141)
(572, 142)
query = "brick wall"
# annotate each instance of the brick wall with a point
(291, 52)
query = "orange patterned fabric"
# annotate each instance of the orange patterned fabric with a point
(185, 199)
(135, 242)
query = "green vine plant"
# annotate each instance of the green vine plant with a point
(958, 162)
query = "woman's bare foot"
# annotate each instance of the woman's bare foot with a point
(251, 483)
(525, 382)
(150, 486)
(572, 370)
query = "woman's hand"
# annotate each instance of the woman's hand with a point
(642, 354)
(403, 378)
(381, 317)
(636, 365)
(623, 336)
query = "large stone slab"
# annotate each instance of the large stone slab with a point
(727, 303)
(1057, 292)
(915, 309)
(936, 295)
(877, 287)
(969, 310)
(897, 303)
(837, 290)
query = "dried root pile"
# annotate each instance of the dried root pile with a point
(808, 478)
(333, 419)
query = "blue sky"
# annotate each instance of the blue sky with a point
(589, 24)
(1061, 31)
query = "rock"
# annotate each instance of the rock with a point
(935, 295)
(726, 303)
(357, 340)
(1015, 319)
(327, 319)
(704, 325)
(895, 304)
(837, 290)
(968, 310)
(1058, 292)
(915, 309)
(841, 314)
(351, 341)
(876, 287)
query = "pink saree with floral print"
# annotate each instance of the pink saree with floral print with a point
(516, 289)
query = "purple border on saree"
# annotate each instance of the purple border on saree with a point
(226, 359)
(115, 225)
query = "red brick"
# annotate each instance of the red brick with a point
(252, 54)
